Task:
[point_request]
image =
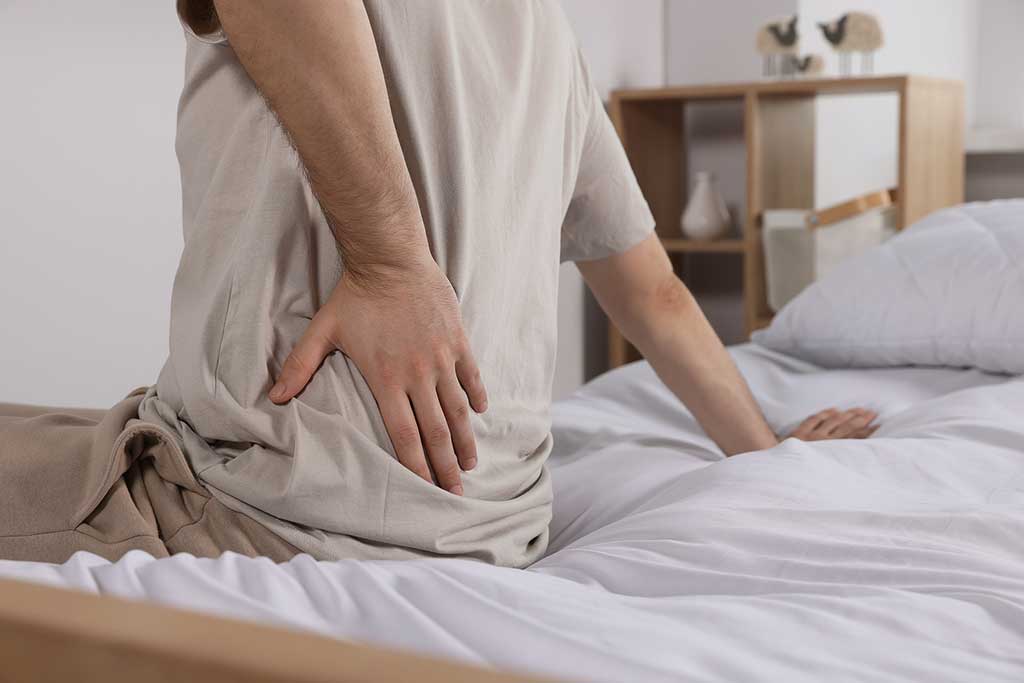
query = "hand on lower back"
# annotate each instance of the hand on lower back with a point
(405, 335)
(828, 424)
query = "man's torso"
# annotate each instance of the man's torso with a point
(485, 101)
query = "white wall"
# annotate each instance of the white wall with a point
(622, 41)
(998, 73)
(90, 217)
(713, 42)
(917, 42)
(999, 100)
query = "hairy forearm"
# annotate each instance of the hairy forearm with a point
(316, 63)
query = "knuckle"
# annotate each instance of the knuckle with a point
(438, 435)
(447, 472)
(406, 436)
(440, 354)
(460, 412)
(385, 374)
(420, 368)
(293, 364)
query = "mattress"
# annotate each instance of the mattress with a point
(900, 557)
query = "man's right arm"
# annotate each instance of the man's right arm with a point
(394, 313)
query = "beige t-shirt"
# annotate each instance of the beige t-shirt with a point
(516, 167)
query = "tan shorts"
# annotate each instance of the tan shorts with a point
(105, 482)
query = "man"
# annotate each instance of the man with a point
(397, 182)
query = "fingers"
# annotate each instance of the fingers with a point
(811, 424)
(832, 423)
(856, 421)
(864, 433)
(456, 411)
(427, 419)
(833, 420)
(437, 438)
(301, 363)
(404, 432)
(469, 376)
(434, 429)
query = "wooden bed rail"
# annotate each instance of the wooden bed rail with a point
(52, 634)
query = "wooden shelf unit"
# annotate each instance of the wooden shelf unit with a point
(779, 121)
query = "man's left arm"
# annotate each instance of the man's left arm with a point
(657, 313)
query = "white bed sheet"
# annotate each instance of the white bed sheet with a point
(896, 558)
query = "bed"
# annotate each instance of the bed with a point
(899, 557)
(896, 557)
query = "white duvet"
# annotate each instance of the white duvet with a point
(896, 558)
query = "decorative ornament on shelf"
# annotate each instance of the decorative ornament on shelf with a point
(809, 65)
(706, 217)
(777, 43)
(855, 32)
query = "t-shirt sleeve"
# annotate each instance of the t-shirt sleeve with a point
(200, 21)
(607, 213)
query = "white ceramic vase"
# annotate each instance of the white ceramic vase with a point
(706, 216)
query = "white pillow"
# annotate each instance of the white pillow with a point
(948, 291)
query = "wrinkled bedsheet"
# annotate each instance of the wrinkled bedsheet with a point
(898, 558)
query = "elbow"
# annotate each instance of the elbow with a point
(670, 297)
(661, 309)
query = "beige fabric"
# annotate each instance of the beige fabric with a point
(516, 167)
(106, 483)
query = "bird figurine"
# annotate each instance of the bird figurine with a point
(776, 42)
(851, 33)
(808, 65)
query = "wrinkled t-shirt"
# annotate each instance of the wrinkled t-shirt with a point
(516, 167)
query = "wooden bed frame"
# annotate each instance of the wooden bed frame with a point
(53, 634)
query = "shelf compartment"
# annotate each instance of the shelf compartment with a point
(678, 245)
